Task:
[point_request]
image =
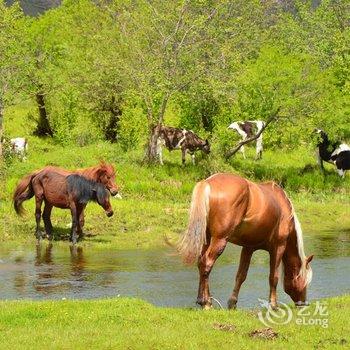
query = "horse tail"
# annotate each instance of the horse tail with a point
(23, 191)
(192, 241)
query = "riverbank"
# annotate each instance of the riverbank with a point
(133, 324)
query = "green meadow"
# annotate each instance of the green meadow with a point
(88, 81)
(134, 324)
(155, 199)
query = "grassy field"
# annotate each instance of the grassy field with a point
(155, 204)
(133, 324)
(156, 198)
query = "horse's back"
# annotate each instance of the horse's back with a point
(280, 196)
(52, 186)
(247, 212)
(228, 201)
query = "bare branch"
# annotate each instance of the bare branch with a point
(234, 150)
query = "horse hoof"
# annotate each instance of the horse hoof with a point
(274, 307)
(232, 304)
(207, 307)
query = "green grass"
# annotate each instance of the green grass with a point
(133, 324)
(156, 198)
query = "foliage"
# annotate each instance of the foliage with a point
(209, 61)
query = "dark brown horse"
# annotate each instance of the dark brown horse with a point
(227, 208)
(103, 173)
(68, 192)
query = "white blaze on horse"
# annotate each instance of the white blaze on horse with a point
(19, 146)
(248, 129)
(186, 140)
(333, 152)
(227, 208)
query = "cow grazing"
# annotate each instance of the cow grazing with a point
(19, 146)
(333, 152)
(186, 140)
(247, 129)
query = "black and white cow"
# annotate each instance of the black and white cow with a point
(248, 129)
(333, 152)
(186, 140)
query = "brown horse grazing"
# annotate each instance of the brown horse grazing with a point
(68, 192)
(227, 208)
(103, 173)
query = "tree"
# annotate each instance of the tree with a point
(45, 53)
(160, 55)
(285, 90)
(11, 56)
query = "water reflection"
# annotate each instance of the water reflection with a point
(43, 254)
(78, 261)
(52, 271)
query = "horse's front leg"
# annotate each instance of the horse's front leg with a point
(246, 255)
(75, 221)
(275, 261)
(81, 221)
(205, 263)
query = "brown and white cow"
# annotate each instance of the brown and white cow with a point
(186, 140)
(248, 129)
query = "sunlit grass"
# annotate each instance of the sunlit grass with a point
(133, 324)
(156, 198)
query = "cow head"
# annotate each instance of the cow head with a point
(206, 147)
(322, 136)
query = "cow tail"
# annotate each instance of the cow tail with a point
(192, 241)
(23, 192)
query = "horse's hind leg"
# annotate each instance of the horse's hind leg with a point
(47, 220)
(38, 203)
(241, 275)
(205, 263)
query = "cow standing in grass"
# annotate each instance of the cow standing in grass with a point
(186, 140)
(17, 146)
(248, 129)
(333, 152)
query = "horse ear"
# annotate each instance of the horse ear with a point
(309, 259)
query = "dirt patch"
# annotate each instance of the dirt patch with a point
(322, 344)
(264, 333)
(224, 327)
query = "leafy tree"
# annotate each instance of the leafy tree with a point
(11, 57)
(159, 47)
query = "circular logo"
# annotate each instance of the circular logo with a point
(268, 316)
